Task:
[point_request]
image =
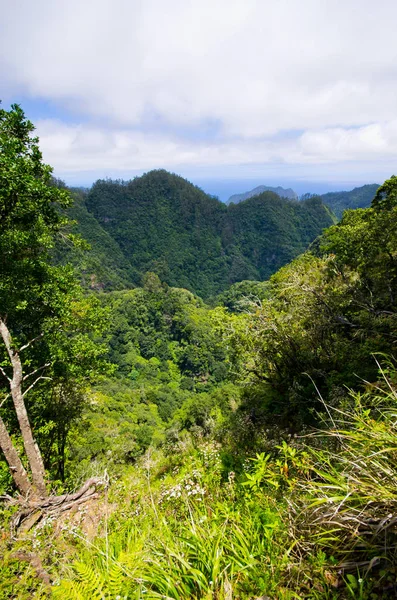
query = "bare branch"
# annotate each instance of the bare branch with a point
(5, 334)
(36, 371)
(4, 373)
(30, 342)
(4, 399)
(33, 384)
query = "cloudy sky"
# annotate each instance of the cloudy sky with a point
(302, 92)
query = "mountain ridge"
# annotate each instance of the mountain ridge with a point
(162, 223)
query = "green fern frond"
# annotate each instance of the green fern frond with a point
(68, 590)
(94, 582)
(115, 579)
(89, 584)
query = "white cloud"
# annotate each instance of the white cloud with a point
(72, 148)
(136, 69)
(372, 142)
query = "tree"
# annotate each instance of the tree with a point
(44, 319)
(327, 314)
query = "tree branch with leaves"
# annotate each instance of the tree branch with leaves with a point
(46, 323)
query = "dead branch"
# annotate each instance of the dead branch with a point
(5, 399)
(33, 384)
(38, 337)
(33, 511)
(5, 374)
(36, 371)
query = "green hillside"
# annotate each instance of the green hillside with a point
(265, 232)
(104, 265)
(162, 223)
(360, 197)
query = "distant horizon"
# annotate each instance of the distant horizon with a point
(224, 188)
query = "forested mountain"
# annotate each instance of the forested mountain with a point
(280, 191)
(104, 266)
(162, 223)
(263, 233)
(360, 197)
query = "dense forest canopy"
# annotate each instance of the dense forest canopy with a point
(162, 223)
(236, 446)
(360, 197)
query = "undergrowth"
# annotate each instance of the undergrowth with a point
(314, 518)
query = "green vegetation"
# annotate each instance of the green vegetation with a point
(162, 223)
(104, 265)
(360, 197)
(246, 444)
(46, 354)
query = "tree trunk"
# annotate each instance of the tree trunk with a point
(18, 472)
(32, 450)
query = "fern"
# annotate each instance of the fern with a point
(68, 590)
(89, 584)
(115, 579)
(93, 581)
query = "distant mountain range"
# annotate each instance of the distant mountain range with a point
(280, 191)
(360, 197)
(161, 222)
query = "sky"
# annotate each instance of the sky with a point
(228, 93)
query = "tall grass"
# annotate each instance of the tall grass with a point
(349, 505)
(216, 553)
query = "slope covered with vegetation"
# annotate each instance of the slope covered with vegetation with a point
(360, 197)
(104, 266)
(239, 450)
(164, 224)
(265, 232)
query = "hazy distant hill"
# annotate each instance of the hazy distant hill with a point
(160, 222)
(360, 197)
(280, 191)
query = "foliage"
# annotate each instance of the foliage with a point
(169, 331)
(326, 314)
(239, 296)
(49, 320)
(313, 519)
(360, 197)
(115, 428)
(29, 223)
(100, 261)
(216, 548)
(219, 485)
(353, 496)
(162, 223)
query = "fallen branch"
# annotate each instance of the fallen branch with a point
(32, 511)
